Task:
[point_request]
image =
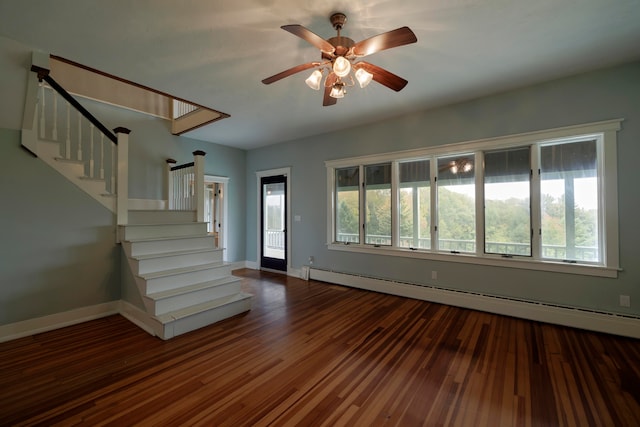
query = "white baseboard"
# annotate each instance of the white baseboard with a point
(139, 317)
(627, 326)
(38, 325)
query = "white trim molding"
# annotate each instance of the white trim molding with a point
(616, 324)
(51, 322)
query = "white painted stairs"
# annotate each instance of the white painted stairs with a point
(180, 275)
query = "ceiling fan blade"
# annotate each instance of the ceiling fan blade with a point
(309, 36)
(329, 100)
(394, 38)
(290, 71)
(383, 76)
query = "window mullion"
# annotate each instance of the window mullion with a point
(363, 204)
(479, 182)
(434, 204)
(395, 205)
(536, 208)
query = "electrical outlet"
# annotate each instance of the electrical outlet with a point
(434, 275)
(311, 259)
(625, 301)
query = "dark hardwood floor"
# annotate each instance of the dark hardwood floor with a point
(310, 353)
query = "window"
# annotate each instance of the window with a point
(347, 218)
(415, 205)
(545, 200)
(456, 204)
(569, 194)
(507, 205)
(378, 204)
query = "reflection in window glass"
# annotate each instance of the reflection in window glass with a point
(456, 204)
(507, 207)
(347, 205)
(378, 204)
(569, 201)
(415, 205)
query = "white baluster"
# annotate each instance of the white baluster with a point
(42, 113)
(114, 159)
(79, 157)
(54, 132)
(91, 159)
(67, 152)
(101, 155)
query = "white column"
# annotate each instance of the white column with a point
(198, 161)
(123, 175)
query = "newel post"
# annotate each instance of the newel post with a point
(198, 171)
(122, 201)
(171, 204)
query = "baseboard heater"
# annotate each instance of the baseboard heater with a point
(617, 324)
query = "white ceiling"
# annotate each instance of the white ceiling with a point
(215, 53)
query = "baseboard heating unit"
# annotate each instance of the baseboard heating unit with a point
(617, 324)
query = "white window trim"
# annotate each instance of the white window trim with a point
(606, 130)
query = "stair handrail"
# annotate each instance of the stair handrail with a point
(119, 137)
(193, 174)
(44, 74)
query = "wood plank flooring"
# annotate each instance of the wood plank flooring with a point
(310, 353)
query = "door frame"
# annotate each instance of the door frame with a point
(208, 179)
(259, 175)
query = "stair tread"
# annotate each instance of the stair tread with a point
(174, 253)
(175, 271)
(155, 239)
(191, 288)
(155, 224)
(198, 308)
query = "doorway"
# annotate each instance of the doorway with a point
(215, 210)
(273, 222)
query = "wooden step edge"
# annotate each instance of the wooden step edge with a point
(182, 270)
(158, 296)
(156, 239)
(72, 161)
(92, 179)
(174, 253)
(153, 224)
(205, 306)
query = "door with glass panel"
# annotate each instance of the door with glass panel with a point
(273, 223)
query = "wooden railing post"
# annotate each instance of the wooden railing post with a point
(198, 172)
(170, 185)
(122, 201)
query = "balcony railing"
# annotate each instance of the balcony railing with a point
(581, 253)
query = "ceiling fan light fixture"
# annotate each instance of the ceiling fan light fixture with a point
(313, 81)
(337, 91)
(341, 66)
(364, 77)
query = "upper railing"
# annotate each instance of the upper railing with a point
(185, 189)
(83, 139)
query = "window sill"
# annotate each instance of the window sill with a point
(487, 260)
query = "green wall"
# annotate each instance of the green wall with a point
(57, 250)
(596, 96)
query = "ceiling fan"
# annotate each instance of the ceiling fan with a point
(341, 55)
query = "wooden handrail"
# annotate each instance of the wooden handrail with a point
(43, 74)
(186, 165)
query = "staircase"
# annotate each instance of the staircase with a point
(175, 279)
(179, 273)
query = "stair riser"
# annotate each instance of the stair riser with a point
(133, 232)
(161, 217)
(205, 318)
(176, 281)
(152, 265)
(181, 301)
(170, 245)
